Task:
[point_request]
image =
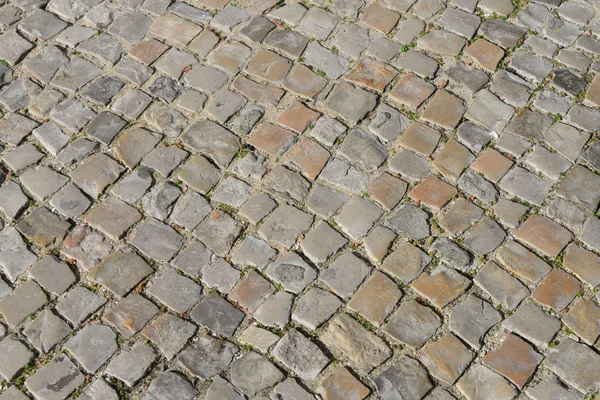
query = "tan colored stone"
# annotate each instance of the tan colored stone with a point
(199, 174)
(308, 157)
(592, 95)
(174, 29)
(583, 318)
(492, 164)
(441, 286)
(446, 358)
(411, 91)
(485, 54)
(297, 117)
(272, 139)
(459, 216)
(379, 18)
(433, 192)
(376, 299)
(420, 138)
(148, 51)
(229, 56)
(557, 290)
(444, 110)
(583, 263)
(269, 66)
(302, 81)
(452, 160)
(371, 73)
(251, 291)
(342, 385)
(346, 336)
(406, 262)
(265, 95)
(544, 235)
(515, 359)
(522, 262)
(386, 189)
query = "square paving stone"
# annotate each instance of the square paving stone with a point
(556, 290)
(472, 319)
(372, 74)
(131, 314)
(12, 199)
(131, 364)
(322, 242)
(121, 271)
(170, 384)
(502, 286)
(213, 140)
(46, 331)
(218, 315)
(157, 240)
(318, 23)
(132, 104)
(315, 307)
(522, 262)
(479, 376)
(412, 324)
(112, 217)
(221, 275)
(92, 357)
(43, 227)
(130, 26)
(345, 274)
(534, 324)
(14, 355)
(441, 286)
(251, 291)
(272, 139)
(174, 29)
(450, 352)
(51, 137)
(175, 291)
(75, 75)
(514, 350)
(105, 126)
(253, 252)
(14, 47)
(78, 304)
(169, 333)
(43, 384)
(42, 25)
(301, 355)
(95, 173)
(135, 72)
(411, 91)
(376, 298)
(19, 158)
(229, 56)
(351, 103)
(133, 145)
(405, 376)
(207, 356)
(344, 335)
(218, 232)
(325, 60)
(42, 181)
(53, 275)
(190, 210)
(285, 225)
(292, 272)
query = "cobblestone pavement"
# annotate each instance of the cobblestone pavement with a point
(261, 200)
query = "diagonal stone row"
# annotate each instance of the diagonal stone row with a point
(341, 199)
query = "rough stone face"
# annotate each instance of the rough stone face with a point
(394, 186)
(346, 336)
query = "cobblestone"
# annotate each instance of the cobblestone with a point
(357, 200)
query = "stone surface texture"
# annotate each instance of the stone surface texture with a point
(299, 199)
